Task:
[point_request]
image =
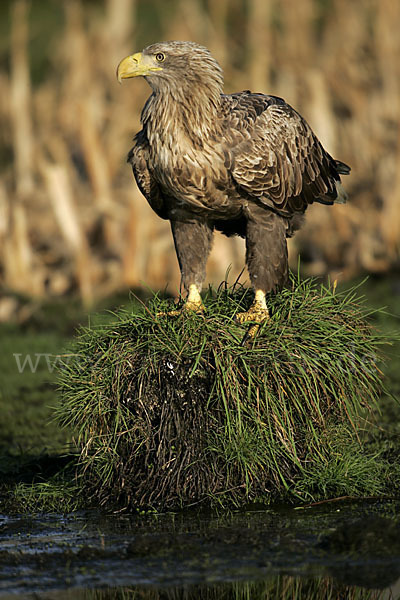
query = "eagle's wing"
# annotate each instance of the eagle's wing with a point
(279, 160)
(138, 158)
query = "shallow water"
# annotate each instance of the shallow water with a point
(334, 550)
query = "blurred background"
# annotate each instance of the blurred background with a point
(72, 220)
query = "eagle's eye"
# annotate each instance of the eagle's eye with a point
(160, 57)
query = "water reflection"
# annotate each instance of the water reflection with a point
(341, 551)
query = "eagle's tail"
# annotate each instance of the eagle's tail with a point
(342, 169)
(342, 195)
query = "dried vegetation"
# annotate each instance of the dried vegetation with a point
(70, 214)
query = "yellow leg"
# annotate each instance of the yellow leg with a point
(193, 303)
(257, 312)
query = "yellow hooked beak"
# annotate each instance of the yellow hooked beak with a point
(135, 66)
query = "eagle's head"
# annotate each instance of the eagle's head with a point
(173, 65)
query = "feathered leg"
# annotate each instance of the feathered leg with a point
(193, 241)
(266, 259)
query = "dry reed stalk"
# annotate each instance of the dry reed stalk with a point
(298, 35)
(121, 21)
(190, 21)
(387, 47)
(21, 98)
(259, 45)
(5, 112)
(67, 217)
(129, 268)
(228, 258)
(157, 245)
(320, 111)
(218, 35)
(75, 43)
(4, 213)
(95, 158)
(85, 94)
(20, 273)
(119, 39)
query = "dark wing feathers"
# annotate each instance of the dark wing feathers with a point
(138, 158)
(280, 161)
(342, 168)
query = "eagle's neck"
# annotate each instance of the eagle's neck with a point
(175, 116)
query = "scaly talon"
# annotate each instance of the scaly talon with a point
(257, 312)
(188, 306)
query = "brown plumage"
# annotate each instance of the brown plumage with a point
(245, 164)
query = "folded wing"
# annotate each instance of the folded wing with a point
(279, 161)
(138, 157)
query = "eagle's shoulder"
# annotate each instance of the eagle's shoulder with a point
(241, 110)
(239, 115)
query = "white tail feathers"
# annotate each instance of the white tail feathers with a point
(342, 195)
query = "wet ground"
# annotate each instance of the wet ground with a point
(336, 550)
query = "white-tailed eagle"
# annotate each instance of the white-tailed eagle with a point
(245, 164)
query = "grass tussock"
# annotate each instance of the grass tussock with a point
(281, 587)
(170, 412)
(56, 495)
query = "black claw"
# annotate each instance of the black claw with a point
(250, 334)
